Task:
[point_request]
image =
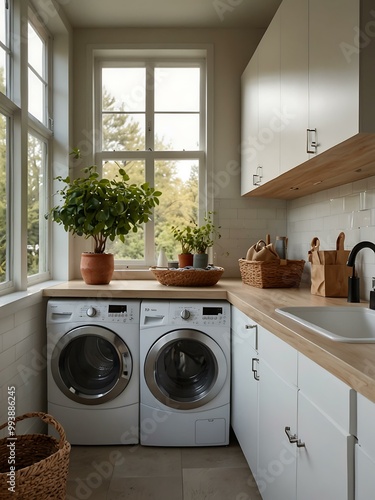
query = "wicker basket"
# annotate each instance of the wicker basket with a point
(188, 277)
(42, 463)
(271, 274)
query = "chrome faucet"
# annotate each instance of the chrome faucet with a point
(353, 280)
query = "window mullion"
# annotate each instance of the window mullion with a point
(150, 107)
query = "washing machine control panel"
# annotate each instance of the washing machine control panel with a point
(95, 311)
(200, 314)
(114, 313)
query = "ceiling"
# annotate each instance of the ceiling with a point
(170, 13)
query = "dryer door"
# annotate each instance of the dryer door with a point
(185, 369)
(91, 365)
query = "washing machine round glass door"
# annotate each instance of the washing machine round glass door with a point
(185, 369)
(91, 365)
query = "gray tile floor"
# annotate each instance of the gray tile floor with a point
(152, 473)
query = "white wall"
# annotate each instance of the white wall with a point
(349, 208)
(232, 51)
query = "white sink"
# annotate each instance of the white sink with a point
(342, 324)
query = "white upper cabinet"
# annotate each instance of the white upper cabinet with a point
(315, 95)
(333, 71)
(269, 101)
(294, 57)
(249, 124)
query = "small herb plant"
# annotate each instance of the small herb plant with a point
(203, 236)
(184, 235)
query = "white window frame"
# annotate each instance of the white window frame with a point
(14, 107)
(44, 133)
(180, 59)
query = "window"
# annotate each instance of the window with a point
(39, 137)
(37, 76)
(4, 201)
(36, 206)
(4, 48)
(7, 108)
(151, 117)
(24, 146)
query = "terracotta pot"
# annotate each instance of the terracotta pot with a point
(185, 259)
(200, 260)
(97, 268)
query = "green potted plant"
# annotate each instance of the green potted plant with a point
(203, 238)
(102, 209)
(184, 235)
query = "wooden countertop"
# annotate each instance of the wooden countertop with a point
(354, 364)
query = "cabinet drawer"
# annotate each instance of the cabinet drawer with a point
(244, 329)
(365, 425)
(336, 399)
(279, 355)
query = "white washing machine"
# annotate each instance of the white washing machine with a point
(185, 373)
(93, 369)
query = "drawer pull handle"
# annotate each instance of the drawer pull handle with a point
(248, 327)
(253, 368)
(293, 438)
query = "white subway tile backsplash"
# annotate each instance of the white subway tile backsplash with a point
(22, 339)
(352, 203)
(7, 358)
(360, 185)
(346, 190)
(362, 218)
(243, 222)
(336, 205)
(6, 324)
(349, 208)
(367, 233)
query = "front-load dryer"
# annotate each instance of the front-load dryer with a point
(185, 373)
(93, 369)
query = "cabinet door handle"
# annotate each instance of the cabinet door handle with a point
(253, 327)
(257, 178)
(253, 369)
(310, 144)
(293, 438)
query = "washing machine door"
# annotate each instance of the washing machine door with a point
(185, 369)
(91, 365)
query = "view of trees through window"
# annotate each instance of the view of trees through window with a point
(36, 224)
(3, 197)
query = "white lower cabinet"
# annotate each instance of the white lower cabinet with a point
(326, 424)
(244, 403)
(365, 450)
(277, 467)
(276, 473)
(299, 417)
(325, 465)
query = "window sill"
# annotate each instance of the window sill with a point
(14, 302)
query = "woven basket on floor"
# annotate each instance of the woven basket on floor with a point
(42, 463)
(271, 274)
(188, 277)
